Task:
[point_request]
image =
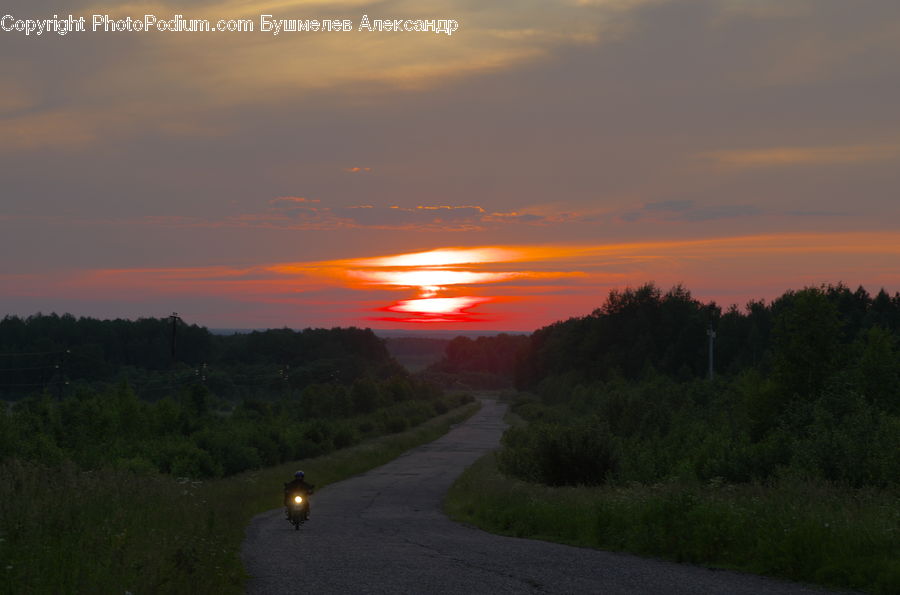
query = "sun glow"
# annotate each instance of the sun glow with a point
(518, 286)
(451, 305)
(430, 310)
(433, 275)
(430, 279)
(441, 258)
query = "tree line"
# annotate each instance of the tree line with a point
(487, 362)
(112, 395)
(639, 330)
(60, 352)
(807, 384)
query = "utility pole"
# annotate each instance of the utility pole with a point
(62, 377)
(712, 339)
(175, 320)
(200, 373)
(284, 373)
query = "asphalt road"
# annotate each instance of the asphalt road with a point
(384, 532)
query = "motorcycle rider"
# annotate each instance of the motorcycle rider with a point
(298, 487)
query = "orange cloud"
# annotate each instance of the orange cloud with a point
(437, 305)
(301, 213)
(490, 284)
(428, 278)
(436, 310)
(442, 257)
(292, 200)
(446, 208)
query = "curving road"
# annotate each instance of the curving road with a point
(384, 532)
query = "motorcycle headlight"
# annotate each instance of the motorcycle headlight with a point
(298, 499)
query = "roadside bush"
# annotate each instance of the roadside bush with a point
(455, 400)
(344, 436)
(191, 433)
(530, 409)
(180, 457)
(194, 462)
(394, 424)
(582, 454)
(138, 465)
(849, 441)
(319, 433)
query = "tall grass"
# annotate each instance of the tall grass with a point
(806, 530)
(63, 530)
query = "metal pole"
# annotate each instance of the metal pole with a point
(712, 338)
(174, 318)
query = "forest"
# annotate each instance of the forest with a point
(159, 395)
(487, 362)
(809, 383)
(784, 461)
(60, 353)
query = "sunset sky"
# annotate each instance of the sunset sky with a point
(503, 177)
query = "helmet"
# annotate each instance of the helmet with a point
(299, 474)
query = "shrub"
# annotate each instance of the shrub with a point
(344, 436)
(195, 462)
(582, 454)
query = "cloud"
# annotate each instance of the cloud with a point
(288, 201)
(173, 82)
(299, 213)
(436, 310)
(670, 205)
(688, 211)
(490, 283)
(800, 43)
(804, 156)
(818, 213)
(729, 10)
(14, 97)
(58, 128)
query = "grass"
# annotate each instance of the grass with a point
(63, 530)
(796, 529)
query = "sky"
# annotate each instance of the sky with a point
(503, 177)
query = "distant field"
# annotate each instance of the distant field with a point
(416, 353)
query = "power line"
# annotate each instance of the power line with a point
(48, 383)
(175, 320)
(30, 354)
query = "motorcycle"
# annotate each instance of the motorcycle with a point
(298, 510)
